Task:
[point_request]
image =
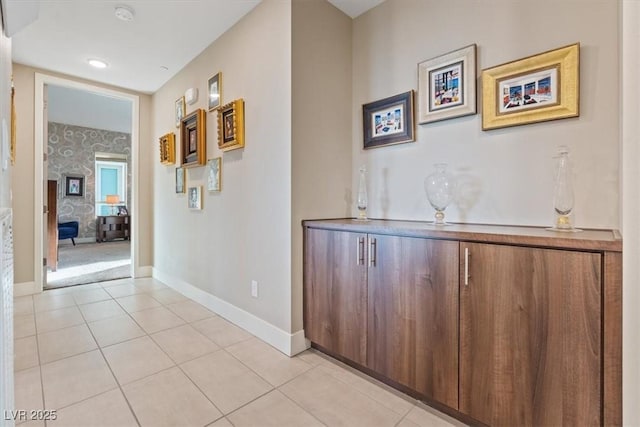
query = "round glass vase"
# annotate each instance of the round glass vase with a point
(363, 200)
(440, 189)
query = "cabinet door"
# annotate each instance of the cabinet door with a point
(413, 314)
(530, 340)
(335, 292)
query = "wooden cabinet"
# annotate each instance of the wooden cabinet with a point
(112, 227)
(492, 324)
(530, 336)
(413, 314)
(335, 292)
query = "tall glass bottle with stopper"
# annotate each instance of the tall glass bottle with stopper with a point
(563, 200)
(362, 195)
(440, 189)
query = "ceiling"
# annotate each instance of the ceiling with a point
(143, 54)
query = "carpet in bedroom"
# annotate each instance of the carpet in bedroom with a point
(91, 262)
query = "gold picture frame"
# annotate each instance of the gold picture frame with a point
(214, 92)
(180, 109)
(231, 125)
(193, 139)
(168, 149)
(534, 89)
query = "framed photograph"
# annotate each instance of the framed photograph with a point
(215, 91)
(193, 138)
(122, 210)
(181, 107)
(195, 197)
(231, 125)
(534, 89)
(180, 180)
(214, 174)
(447, 86)
(168, 149)
(74, 185)
(388, 121)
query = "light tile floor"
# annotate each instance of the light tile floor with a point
(137, 353)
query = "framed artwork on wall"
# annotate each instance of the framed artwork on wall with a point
(193, 139)
(74, 185)
(231, 125)
(180, 108)
(388, 121)
(168, 149)
(215, 91)
(214, 174)
(447, 86)
(534, 89)
(195, 197)
(180, 180)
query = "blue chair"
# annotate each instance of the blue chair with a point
(68, 230)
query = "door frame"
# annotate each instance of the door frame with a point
(39, 146)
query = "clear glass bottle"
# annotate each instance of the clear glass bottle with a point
(563, 199)
(362, 195)
(440, 188)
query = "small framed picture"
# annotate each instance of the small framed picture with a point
(168, 149)
(195, 197)
(181, 107)
(74, 186)
(231, 125)
(214, 174)
(180, 180)
(122, 210)
(447, 86)
(193, 139)
(215, 91)
(388, 121)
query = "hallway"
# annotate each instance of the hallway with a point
(135, 352)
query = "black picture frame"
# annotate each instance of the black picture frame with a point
(389, 121)
(74, 186)
(123, 211)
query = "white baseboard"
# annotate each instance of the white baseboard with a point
(144, 271)
(289, 344)
(25, 288)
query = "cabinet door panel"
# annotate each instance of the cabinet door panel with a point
(413, 315)
(530, 336)
(335, 293)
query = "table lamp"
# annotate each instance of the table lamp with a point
(113, 199)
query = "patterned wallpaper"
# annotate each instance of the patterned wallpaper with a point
(71, 150)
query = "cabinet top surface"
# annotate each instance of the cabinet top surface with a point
(597, 240)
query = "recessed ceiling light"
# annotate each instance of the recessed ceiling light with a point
(97, 63)
(124, 13)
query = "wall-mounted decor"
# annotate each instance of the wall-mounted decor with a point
(180, 180)
(214, 174)
(192, 138)
(388, 121)
(180, 108)
(168, 149)
(447, 86)
(215, 91)
(74, 185)
(195, 197)
(534, 89)
(13, 124)
(231, 125)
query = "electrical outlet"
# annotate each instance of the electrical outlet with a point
(254, 288)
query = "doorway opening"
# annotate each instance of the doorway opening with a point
(90, 137)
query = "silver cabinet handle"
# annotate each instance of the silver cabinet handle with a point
(372, 252)
(360, 251)
(466, 266)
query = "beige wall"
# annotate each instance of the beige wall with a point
(243, 232)
(23, 174)
(506, 175)
(321, 124)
